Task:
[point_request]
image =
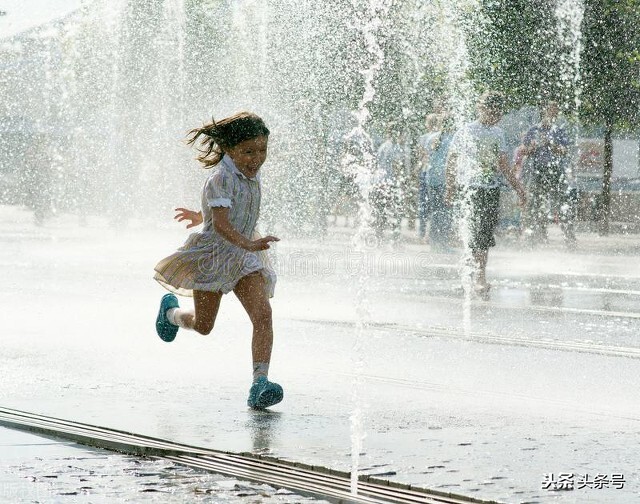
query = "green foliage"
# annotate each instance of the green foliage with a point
(513, 50)
(611, 75)
(518, 50)
(409, 81)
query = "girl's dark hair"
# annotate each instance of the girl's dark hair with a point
(224, 134)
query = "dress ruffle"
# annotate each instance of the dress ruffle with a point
(205, 263)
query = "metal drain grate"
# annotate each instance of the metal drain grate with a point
(314, 481)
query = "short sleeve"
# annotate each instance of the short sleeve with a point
(219, 189)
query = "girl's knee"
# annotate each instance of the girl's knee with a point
(203, 328)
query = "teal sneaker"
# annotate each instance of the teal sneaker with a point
(264, 393)
(165, 329)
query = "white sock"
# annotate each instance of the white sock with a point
(260, 369)
(171, 315)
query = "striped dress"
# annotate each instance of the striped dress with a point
(207, 261)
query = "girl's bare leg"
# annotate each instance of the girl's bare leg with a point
(250, 290)
(204, 316)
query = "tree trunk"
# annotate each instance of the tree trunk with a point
(605, 198)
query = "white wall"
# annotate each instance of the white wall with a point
(626, 159)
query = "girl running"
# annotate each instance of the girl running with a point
(228, 254)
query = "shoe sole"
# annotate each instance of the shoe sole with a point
(269, 398)
(166, 331)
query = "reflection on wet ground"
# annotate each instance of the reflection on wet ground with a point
(538, 295)
(263, 426)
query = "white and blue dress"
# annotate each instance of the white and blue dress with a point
(209, 262)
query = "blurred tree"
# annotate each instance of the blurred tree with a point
(519, 50)
(409, 81)
(513, 49)
(610, 78)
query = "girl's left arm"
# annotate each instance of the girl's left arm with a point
(222, 225)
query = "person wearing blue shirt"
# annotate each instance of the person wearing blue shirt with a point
(386, 191)
(440, 229)
(425, 144)
(546, 145)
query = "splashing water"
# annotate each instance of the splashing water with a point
(371, 14)
(455, 59)
(569, 15)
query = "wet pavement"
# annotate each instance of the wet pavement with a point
(37, 469)
(484, 398)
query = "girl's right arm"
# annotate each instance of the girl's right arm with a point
(224, 228)
(191, 215)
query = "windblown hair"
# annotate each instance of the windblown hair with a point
(215, 137)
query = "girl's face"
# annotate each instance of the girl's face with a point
(248, 156)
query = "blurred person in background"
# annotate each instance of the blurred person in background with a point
(546, 146)
(436, 206)
(424, 146)
(476, 162)
(37, 179)
(385, 195)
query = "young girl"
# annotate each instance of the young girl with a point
(227, 255)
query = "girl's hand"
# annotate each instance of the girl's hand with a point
(186, 214)
(261, 244)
